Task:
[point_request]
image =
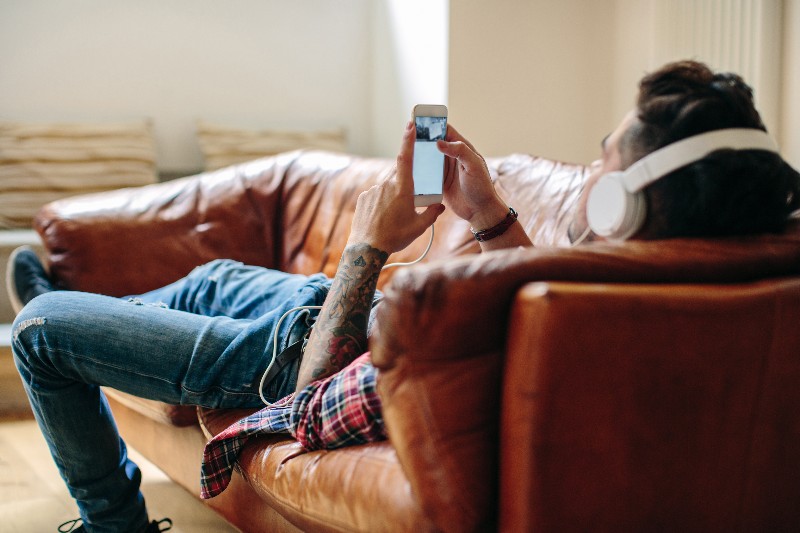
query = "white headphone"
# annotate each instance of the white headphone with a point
(616, 206)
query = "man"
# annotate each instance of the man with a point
(206, 339)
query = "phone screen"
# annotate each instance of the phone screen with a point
(428, 160)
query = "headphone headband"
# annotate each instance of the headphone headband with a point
(681, 153)
(616, 207)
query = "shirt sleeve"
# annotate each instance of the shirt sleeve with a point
(340, 410)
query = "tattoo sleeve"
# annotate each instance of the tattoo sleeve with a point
(340, 332)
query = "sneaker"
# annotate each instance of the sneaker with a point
(26, 277)
(152, 527)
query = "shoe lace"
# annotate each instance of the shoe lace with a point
(72, 524)
(158, 523)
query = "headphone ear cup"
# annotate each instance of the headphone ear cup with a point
(613, 212)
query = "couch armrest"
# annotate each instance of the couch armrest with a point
(441, 341)
(633, 407)
(133, 240)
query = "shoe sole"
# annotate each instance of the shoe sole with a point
(11, 287)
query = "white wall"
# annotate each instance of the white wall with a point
(632, 54)
(410, 56)
(790, 96)
(775, 77)
(536, 76)
(242, 62)
(532, 76)
(551, 78)
(357, 64)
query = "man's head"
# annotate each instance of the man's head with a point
(727, 192)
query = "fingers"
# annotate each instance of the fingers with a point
(459, 148)
(454, 136)
(421, 221)
(464, 154)
(430, 214)
(405, 159)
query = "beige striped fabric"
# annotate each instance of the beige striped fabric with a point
(223, 146)
(40, 163)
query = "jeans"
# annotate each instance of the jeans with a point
(203, 340)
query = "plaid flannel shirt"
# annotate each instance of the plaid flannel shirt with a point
(340, 410)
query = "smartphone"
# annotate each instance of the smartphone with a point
(428, 170)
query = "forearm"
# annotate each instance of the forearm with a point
(340, 332)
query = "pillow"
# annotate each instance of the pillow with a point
(40, 163)
(223, 146)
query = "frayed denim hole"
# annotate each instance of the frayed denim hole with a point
(139, 301)
(25, 324)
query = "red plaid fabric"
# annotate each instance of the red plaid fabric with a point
(340, 410)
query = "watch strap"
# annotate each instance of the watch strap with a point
(497, 229)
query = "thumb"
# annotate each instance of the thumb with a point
(431, 213)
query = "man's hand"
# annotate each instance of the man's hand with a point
(470, 193)
(385, 216)
(468, 187)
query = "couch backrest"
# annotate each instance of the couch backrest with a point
(320, 190)
(129, 241)
(292, 212)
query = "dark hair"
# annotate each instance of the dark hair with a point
(726, 193)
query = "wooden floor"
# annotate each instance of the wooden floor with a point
(34, 499)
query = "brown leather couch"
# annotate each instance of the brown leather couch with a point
(643, 386)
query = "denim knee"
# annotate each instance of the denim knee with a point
(26, 327)
(35, 312)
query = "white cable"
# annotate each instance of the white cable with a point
(275, 348)
(300, 308)
(415, 261)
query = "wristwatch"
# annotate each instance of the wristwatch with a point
(498, 229)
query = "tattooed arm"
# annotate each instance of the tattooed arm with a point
(385, 221)
(340, 333)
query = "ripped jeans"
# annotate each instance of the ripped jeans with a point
(203, 340)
